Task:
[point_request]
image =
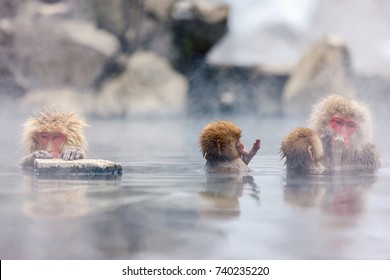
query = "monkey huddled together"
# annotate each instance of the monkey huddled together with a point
(338, 137)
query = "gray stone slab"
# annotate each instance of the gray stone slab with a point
(89, 167)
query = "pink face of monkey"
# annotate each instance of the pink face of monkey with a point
(232, 150)
(344, 128)
(51, 142)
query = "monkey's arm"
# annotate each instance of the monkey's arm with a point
(72, 153)
(28, 160)
(368, 158)
(247, 156)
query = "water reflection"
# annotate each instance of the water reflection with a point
(220, 199)
(336, 194)
(164, 207)
(62, 197)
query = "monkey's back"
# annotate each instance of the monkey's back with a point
(228, 166)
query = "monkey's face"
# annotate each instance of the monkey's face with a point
(343, 129)
(51, 142)
(240, 147)
(230, 150)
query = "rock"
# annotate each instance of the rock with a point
(325, 69)
(89, 167)
(197, 27)
(229, 89)
(9, 86)
(138, 24)
(65, 97)
(148, 87)
(9, 8)
(71, 54)
(160, 9)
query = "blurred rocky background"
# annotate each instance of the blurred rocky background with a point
(136, 58)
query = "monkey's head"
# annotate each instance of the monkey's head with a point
(302, 150)
(64, 125)
(219, 140)
(344, 119)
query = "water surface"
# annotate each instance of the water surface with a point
(164, 207)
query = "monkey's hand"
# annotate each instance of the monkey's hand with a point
(337, 151)
(72, 153)
(28, 160)
(247, 156)
(41, 154)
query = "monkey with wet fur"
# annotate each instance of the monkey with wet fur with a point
(302, 150)
(344, 129)
(53, 133)
(220, 145)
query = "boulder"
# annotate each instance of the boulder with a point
(71, 54)
(148, 87)
(197, 27)
(326, 68)
(65, 97)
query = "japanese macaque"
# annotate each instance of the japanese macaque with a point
(344, 129)
(302, 150)
(221, 147)
(53, 133)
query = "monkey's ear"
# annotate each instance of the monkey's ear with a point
(310, 152)
(219, 147)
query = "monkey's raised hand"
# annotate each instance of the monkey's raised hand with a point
(247, 156)
(72, 153)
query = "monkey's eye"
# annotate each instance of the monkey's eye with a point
(43, 137)
(350, 124)
(58, 137)
(336, 123)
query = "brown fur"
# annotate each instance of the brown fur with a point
(302, 150)
(54, 120)
(226, 134)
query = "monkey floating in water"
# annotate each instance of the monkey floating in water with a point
(302, 150)
(220, 145)
(55, 144)
(344, 128)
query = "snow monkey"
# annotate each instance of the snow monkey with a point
(220, 145)
(53, 133)
(344, 128)
(302, 150)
